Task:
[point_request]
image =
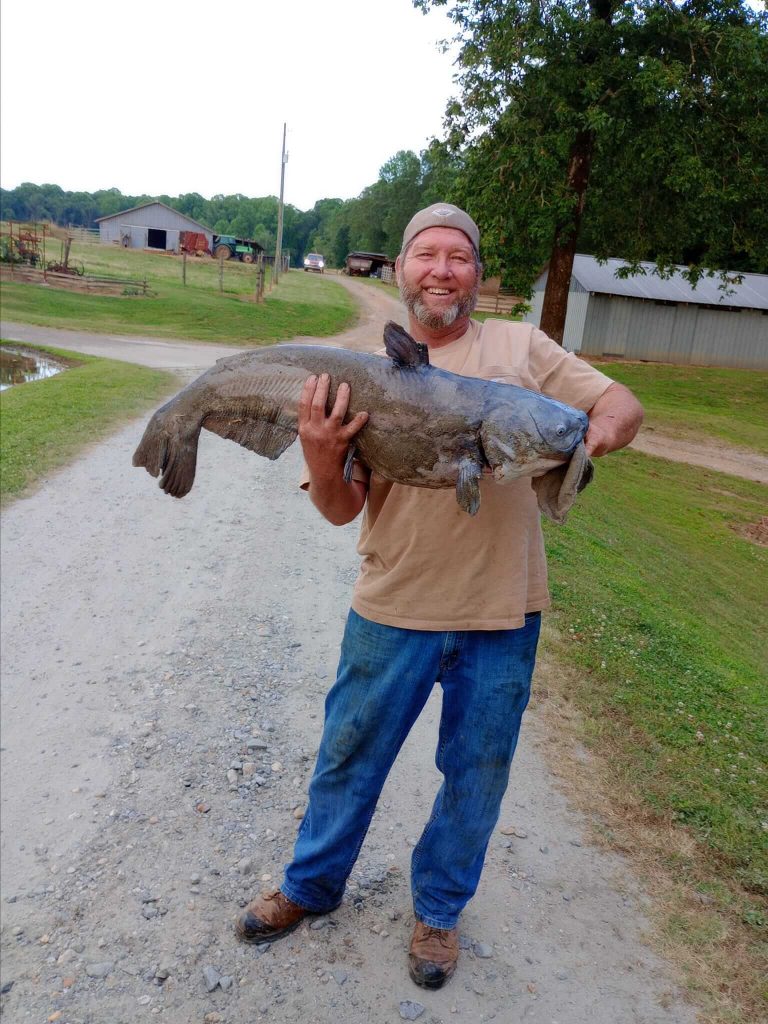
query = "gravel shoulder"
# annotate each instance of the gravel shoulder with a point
(165, 665)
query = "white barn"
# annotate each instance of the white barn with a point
(149, 226)
(646, 317)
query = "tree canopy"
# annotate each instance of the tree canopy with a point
(640, 128)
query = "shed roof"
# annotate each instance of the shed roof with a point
(155, 202)
(372, 256)
(751, 293)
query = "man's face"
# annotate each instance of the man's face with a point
(438, 278)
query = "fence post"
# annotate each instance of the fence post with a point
(184, 269)
(221, 273)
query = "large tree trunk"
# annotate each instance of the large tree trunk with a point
(567, 232)
(564, 243)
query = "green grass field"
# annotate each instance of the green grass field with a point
(693, 401)
(302, 304)
(46, 423)
(662, 600)
(660, 605)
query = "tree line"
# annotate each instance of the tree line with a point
(372, 222)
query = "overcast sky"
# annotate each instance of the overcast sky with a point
(174, 96)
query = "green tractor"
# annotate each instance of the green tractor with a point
(228, 247)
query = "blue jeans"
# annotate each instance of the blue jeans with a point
(384, 679)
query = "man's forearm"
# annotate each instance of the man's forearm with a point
(337, 501)
(614, 420)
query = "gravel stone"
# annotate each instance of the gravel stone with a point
(211, 977)
(409, 1010)
(100, 970)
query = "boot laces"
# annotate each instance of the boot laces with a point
(441, 934)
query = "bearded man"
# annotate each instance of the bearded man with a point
(441, 597)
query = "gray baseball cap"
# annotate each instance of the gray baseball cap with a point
(442, 215)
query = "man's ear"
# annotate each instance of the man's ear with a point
(397, 270)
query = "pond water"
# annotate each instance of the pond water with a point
(20, 365)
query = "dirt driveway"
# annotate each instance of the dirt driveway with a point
(165, 665)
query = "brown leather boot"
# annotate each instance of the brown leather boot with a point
(433, 955)
(269, 917)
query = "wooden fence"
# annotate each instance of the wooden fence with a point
(495, 299)
(81, 234)
(86, 283)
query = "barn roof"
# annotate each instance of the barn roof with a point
(155, 202)
(751, 293)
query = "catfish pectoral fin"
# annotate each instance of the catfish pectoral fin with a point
(468, 486)
(257, 435)
(348, 464)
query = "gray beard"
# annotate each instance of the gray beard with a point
(411, 299)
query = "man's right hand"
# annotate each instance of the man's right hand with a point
(325, 440)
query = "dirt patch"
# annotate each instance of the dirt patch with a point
(707, 454)
(757, 532)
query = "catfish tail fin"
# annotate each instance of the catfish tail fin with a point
(163, 451)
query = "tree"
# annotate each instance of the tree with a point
(642, 122)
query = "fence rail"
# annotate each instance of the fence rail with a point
(74, 282)
(79, 234)
(497, 303)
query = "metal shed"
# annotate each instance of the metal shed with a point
(663, 320)
(149, 226)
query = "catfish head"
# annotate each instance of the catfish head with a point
(529, 437)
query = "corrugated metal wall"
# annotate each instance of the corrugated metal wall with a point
(686, 334)
(134, 224)
(578, 301)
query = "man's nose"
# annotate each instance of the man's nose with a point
(442, 267)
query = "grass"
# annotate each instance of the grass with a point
(659, 605)
(690, 401)
(46, 423)
(302, 304)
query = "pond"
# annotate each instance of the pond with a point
(20, 365)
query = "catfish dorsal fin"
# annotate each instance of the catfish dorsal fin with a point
(402, 349)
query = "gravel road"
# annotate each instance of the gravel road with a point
(165, 665)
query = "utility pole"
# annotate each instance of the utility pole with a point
(279, 246)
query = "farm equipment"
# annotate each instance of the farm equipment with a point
(228, 247)
(25, 246)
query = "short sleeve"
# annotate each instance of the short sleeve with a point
(359, 472)
(563, 375)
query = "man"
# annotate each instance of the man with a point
(441, 596)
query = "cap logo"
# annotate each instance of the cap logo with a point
(442, 212)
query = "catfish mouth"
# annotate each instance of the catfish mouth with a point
(571, 440)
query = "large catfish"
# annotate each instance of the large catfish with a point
(426, 428)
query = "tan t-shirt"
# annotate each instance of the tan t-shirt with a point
(426, 564)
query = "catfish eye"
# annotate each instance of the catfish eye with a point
(561, 430)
